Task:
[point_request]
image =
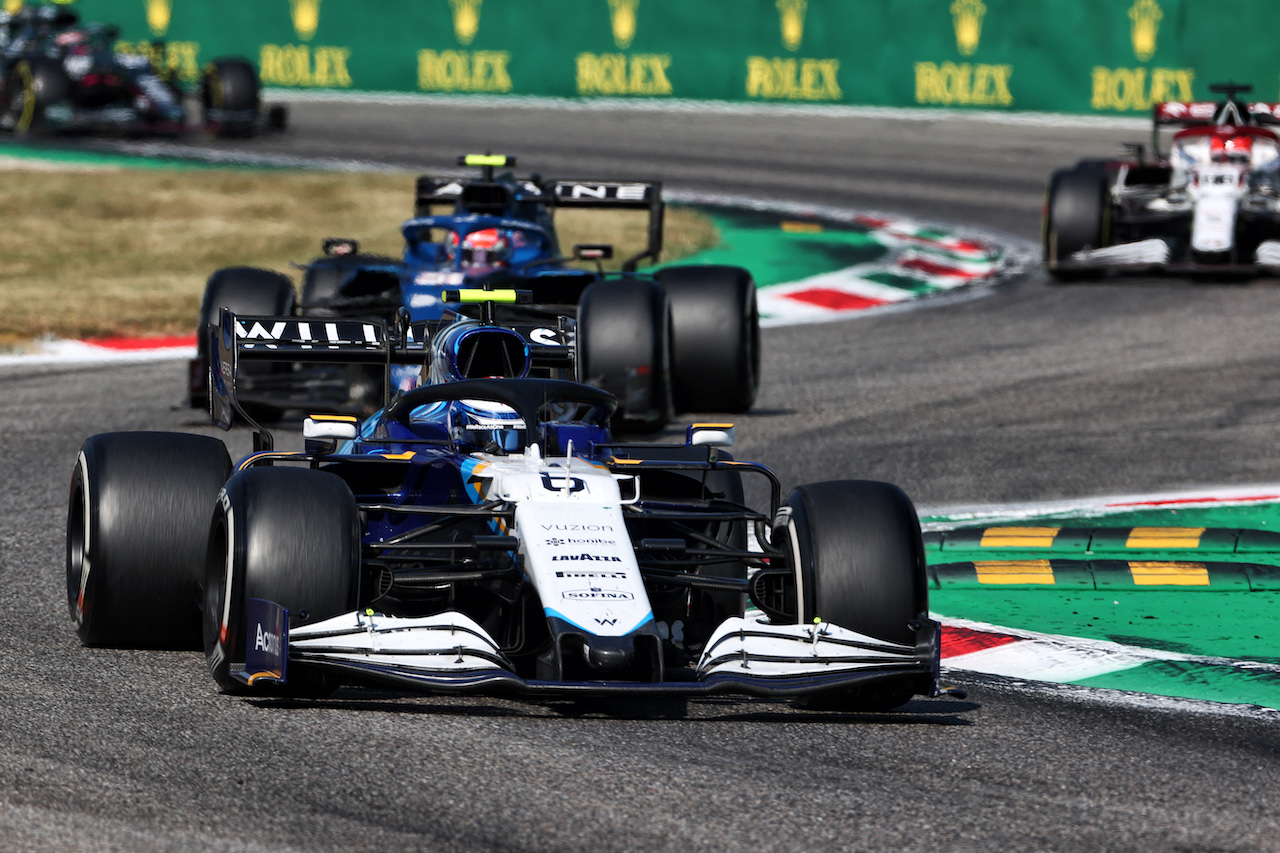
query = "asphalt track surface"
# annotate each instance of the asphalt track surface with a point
(1035, 392)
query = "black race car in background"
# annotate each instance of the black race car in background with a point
(680, 339)
(60, 75)
(1211, 203)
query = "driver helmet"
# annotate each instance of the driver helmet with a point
(485, 248)
(487, 426)
(1231, 149)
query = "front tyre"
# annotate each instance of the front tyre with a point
(230, 97)
(137, 533)
(860, 564)
(1076, 217)
(288, 535)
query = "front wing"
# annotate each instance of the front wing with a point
(450, 653)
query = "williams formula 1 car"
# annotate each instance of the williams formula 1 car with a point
(57, 74)
(1211, 203)
(685, 338)
(489, 536)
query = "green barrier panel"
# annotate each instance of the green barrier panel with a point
(1075, 56)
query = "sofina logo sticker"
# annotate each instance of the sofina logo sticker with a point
(622, 15)
(158, 12)
(466, 19)
(967, 17)
(1145, 17)
(306, 17)
(791, 14)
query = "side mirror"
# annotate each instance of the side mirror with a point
(592, 252)
(323, 432)
(714, 435)
(336, 247)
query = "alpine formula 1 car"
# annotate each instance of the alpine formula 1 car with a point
(1211, 203)
(485, 536)
(57, 74)
(685, 338)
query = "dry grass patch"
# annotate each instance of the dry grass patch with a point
(126, 252)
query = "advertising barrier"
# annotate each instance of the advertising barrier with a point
(1103, 57)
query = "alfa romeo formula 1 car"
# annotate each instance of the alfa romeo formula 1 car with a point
(685, 338)
(57, 74)
(1210, 203)
(484, 536)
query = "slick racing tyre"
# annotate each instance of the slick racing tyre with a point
(1076, 216)
(624, 346)
(244, 290)
(230, 99)
(32, 86)
(287, 535)
(715, 338)
(137, 534)
(860, 565)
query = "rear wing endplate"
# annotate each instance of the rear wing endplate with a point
(302, 340)
(634, 195)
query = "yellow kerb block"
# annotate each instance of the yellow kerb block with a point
(1164, 537)
(1018, 537)
(1169, 574)
(1015, 571)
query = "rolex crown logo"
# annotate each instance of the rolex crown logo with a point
(158, 12)
(1145, 16)
(306, 17)
(967, 16)
(12, 6)
(792, 15)
(622, 14)
(466, 19)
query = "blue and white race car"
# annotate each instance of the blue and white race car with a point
(685, 338)
(489, 535)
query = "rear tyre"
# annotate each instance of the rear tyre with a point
(715, 338)
(1076, 216)
(288, 535)
(624, 346)
(230, 98)
(33, 86)
(137, 533)
(860, 565)
(244, 290)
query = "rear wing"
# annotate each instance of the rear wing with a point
(494, 195)
(302, 340)
(327, 340)
(1190, 113)
(634, 195)
(1212, 113)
